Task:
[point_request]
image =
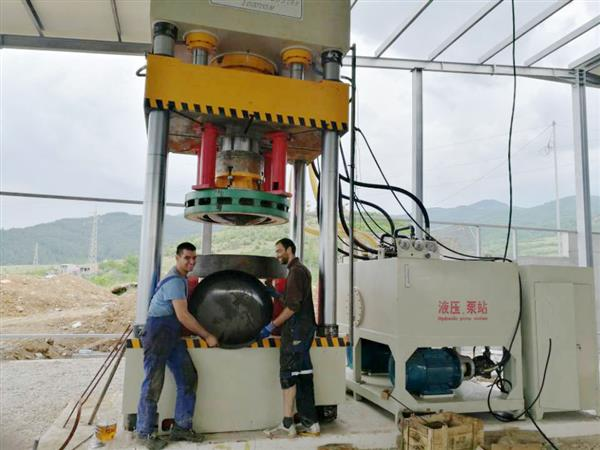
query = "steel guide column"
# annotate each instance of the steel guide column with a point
(299, 186)
(331, 61)
(154, 193)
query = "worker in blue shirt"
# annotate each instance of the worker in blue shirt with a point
(163, 347)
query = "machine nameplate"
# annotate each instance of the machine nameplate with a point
(287, 8)
(462, 310)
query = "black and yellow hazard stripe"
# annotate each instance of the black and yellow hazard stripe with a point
(196, 342)
(174, 85)
(234, 113)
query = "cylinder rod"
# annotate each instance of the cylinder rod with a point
(299, 186)
(299, 201)
(155, 184)
(331, 61)
(199, 57)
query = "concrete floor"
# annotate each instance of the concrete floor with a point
(34, 393)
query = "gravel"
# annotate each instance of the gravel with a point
(33, 394)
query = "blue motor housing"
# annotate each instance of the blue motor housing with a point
(431, 371)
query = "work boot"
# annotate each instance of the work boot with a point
(281, 431)
(313, 430)
(150, 441)
(183, 434)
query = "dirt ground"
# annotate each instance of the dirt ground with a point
(60, 304)
(33, 394)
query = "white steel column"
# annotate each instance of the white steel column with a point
(299, 186)
(331, 60)
(154, 194)
(417, 143)
(582, 173)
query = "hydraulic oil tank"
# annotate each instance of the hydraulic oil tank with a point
(233, 306)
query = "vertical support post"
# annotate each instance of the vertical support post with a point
(477, 241)
(331, 61)
(556, 193)
(582, 173)
(417, 144)
(278, 161)
(164, 35)
(355, 361)
(299, 186)
(515, 244)
(298, 203)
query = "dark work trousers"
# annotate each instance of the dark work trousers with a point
(163, 346)
(296, 368)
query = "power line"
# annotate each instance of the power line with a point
(477, 180)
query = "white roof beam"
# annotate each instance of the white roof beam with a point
(402, 28)
(547, 73)
(563, 41)
(461, 31)
(587, 61)
(74, 45)
(545, 14)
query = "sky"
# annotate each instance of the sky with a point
(73, 124)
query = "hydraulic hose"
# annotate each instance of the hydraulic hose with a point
(383, 187)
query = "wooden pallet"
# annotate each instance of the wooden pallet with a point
(444, 431)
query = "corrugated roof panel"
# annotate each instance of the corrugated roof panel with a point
(14, 19)
(79, 19)
(134, 16)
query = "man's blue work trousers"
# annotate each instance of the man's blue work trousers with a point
(163, 346)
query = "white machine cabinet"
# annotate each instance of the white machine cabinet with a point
(558, 304)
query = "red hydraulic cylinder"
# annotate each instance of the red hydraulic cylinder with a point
(267, 170)
(207, 158)
(278, 162)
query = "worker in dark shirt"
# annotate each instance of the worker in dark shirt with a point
(297, 323)
(163, 347)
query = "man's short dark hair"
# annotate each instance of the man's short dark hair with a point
(287, 243)
(185, 246)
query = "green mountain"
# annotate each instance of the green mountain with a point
(495, 212)
(68, 240)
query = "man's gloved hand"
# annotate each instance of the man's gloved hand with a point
(266, 331)
(272, 292)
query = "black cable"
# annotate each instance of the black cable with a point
(359, 244)
(356, 199)
(343, 252)
(380, 209)
(415, 413)
(425, 231)
(552, 444)
(510, 131)
(504, 417)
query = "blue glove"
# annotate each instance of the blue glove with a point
(266, 331)
(272, 292)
